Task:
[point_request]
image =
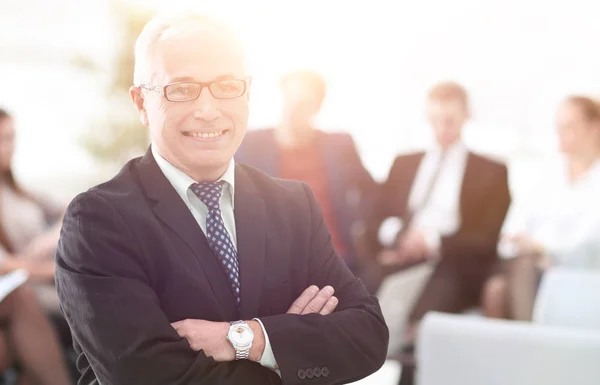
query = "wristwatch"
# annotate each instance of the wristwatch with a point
(240, 336)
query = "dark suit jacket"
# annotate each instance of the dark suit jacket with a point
(484, 201)
(351, 187)
(132, 259)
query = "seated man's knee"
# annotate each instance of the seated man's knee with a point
(494, 291)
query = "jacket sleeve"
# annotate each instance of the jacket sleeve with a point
(348, 344)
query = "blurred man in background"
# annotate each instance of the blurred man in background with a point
(328, 162)
(452, 204)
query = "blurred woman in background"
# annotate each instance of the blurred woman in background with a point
(26, 334)
(558, 222)
(29, 225)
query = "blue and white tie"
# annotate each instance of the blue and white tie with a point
(216, 233)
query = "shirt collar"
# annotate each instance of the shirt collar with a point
(455, 149)
(181, 182)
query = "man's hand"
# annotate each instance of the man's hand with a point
(413, 244)
(527, 246)
(313, 301)
(211, 337)
(412, 247)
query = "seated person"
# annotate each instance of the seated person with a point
(29, 225)
(452, 203)
(558, 222)
(328, 162)
(29, 232)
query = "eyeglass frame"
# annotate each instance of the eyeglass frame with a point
(202, 85)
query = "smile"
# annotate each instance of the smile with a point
(205, 135)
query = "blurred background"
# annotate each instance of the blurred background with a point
(65, 67)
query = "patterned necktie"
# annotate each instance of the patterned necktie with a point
(216, 233)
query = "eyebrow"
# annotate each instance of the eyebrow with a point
(192, 79)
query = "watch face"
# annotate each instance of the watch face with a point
(240, 335)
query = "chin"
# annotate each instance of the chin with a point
(211, 161)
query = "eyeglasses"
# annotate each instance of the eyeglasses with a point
(187, 91)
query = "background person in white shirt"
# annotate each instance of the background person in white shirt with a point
(558, 222)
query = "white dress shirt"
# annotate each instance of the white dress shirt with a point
(440, 216)
(181, 182)
(562, 216)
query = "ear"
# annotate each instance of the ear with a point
(248, 89)
(138, 100)
(468, 114)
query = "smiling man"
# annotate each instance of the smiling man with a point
(187, 268)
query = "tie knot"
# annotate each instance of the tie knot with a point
(209, 193)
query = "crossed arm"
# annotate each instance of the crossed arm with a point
(209, 336)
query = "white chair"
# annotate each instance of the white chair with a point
(459, 350)
(569, 298)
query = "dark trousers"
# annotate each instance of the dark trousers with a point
(451, 288)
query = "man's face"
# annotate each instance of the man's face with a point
(301, 103)
(447, 118)
(576, 134)
(175, 126)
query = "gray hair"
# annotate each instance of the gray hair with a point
(173, 27)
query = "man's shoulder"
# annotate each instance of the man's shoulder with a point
(337, 136)
(120, 190)
(404, 160)
(269, 186)
(410, 155)
(258, 136)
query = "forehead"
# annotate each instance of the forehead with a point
(201, 55)
(445, 106)
(6, 126)
(570, 111)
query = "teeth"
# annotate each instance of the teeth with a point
(205, 135)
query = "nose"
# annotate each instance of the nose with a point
(206, 106)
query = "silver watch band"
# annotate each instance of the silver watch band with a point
(242, 354)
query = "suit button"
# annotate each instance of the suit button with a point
(325, 371)
(301, 374)
(317, 372)
(309, 373)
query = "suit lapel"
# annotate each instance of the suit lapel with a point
(250, 223)
(469, 184)
(171, 210)
(407, 180)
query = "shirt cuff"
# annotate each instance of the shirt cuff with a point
(433, 240)
(268, 358)
(507, 249)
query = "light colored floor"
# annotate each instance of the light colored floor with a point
(389, 374)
